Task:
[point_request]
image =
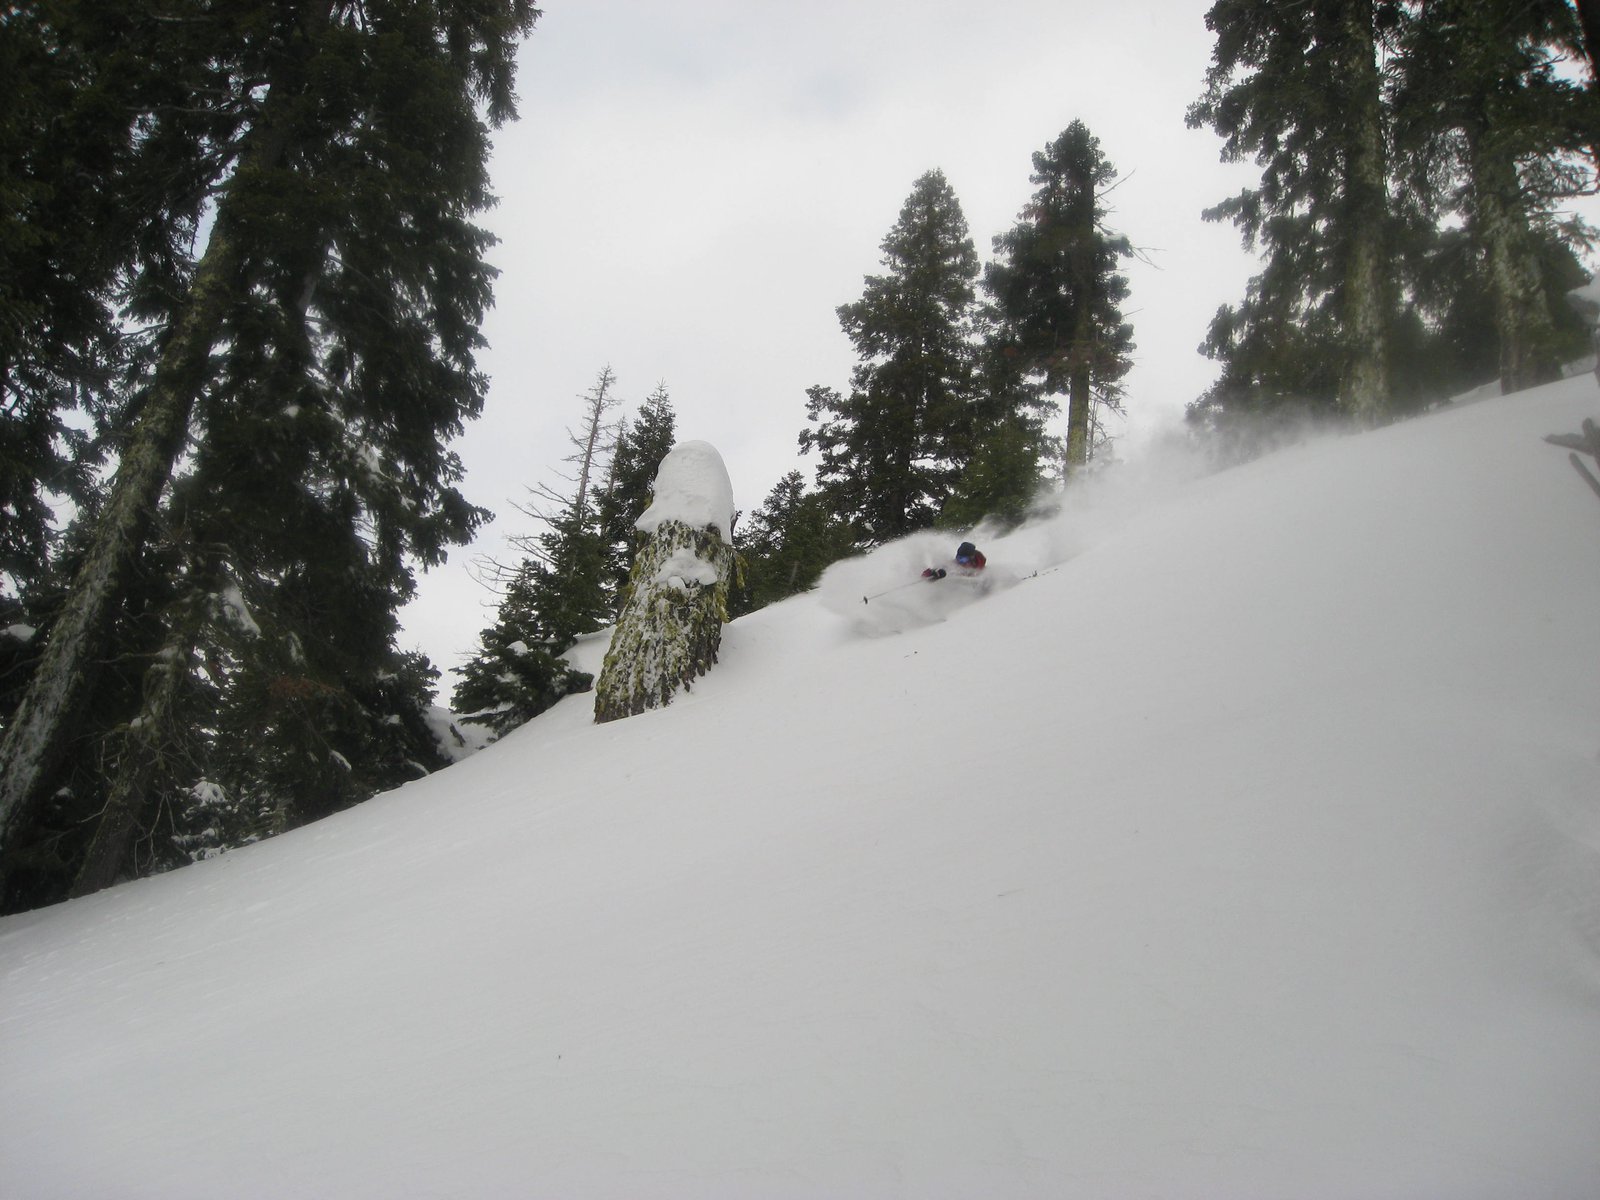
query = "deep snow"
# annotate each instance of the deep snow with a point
(1247, 846)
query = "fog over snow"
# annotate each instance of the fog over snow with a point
(1243, 841)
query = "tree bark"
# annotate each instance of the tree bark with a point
(1522, 314)
(43, 726)
(129, 799)
(1364, 389)
(1083, 282)
(1080, 384)
(671, 624)
(149, 738)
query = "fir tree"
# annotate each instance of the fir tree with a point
(516, 675)
(1057, 290)
(569, 580)
(889, 451)
(1002, 481)
(641, 445)
(1009, 447)
(790, 540)
(1297, 87)
(593, 443)
(566, 565)
(324, 340)
(1490, 132)
(559, 591)
(107, 157)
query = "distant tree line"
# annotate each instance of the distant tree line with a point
(241, 286)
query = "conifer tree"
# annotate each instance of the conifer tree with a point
(1057, 290)
(1492, 133)
(641, 445)
(889, 450)
(790, 540)
(517, 672)
(1297, 87)
(1010, 451)
(325, 338)
(558, 592)
(567, 576)
(108, 155)
(593, 443)
(1002, 480)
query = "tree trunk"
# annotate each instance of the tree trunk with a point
(599, 401)
(144, 743)
(46, 721)
(1364, 389)
(148, 739)
(44, 725)
(1083, 282)
(671, 624)
(1079, 400)
(1522, 314)
(1589, 18)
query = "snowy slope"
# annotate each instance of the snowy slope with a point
(1251, 848)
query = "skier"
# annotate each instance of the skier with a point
(969, 563)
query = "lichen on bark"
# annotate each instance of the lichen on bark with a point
(671, 624)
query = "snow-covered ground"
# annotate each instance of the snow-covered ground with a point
(1247, 845)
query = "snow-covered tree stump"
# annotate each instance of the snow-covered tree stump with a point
(671, 623)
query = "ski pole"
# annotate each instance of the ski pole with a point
(896, 588)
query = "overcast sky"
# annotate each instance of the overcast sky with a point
(694, 187)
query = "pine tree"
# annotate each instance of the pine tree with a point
(592, 442)
(1002, 481)
(517, 672)
(641, 445)
(559, 591)
(324, 340)
(1491, 133)
(1298, 88)
(1057, 290)
(569, 580)
(790, 540)
(566, 564)
(889, 451)
(106, 163)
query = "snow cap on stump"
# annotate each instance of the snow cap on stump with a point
(692, 486)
